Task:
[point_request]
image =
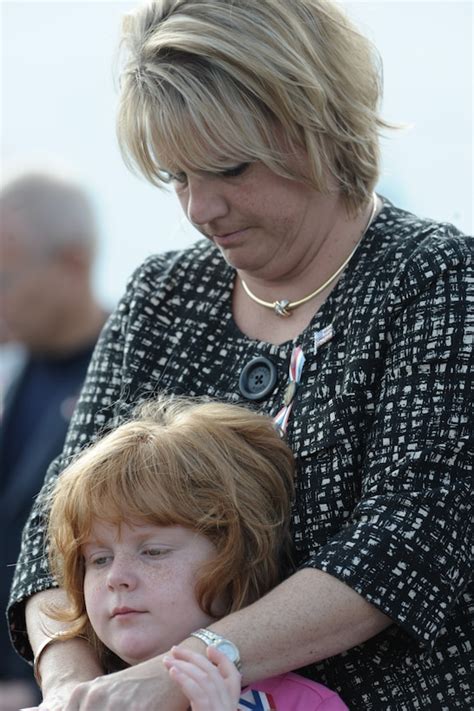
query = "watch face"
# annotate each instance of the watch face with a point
(229, 649)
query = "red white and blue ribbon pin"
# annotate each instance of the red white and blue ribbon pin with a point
(296, 368)
(322, 337)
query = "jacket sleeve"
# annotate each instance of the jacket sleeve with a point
(406, 548)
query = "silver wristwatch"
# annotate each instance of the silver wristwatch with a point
(211, 639)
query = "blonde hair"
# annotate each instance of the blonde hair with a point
(216, 468)
(209, 84)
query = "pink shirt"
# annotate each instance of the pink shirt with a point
(289, 692)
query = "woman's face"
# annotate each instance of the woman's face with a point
(139, 586)
(264, 224)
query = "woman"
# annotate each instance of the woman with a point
(311, 299)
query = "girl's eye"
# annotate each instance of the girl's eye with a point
(235, 170)
(99, 561)
(153, 552)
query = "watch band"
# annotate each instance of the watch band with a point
(207, 636)
(212, 639)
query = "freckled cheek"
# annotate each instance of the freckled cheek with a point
(156, 580)
(250, 201)
(173, 582)
(95, 591)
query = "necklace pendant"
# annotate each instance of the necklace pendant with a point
(281, 308)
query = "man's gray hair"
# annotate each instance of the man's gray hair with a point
(55, 209)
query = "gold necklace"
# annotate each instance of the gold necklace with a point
(283, 307)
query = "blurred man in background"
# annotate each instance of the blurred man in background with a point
(47, 245)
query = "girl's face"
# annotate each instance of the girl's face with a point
(139, 586)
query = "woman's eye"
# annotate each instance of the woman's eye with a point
(235, 170)
(180, 178)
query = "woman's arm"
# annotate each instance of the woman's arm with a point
(62, 665)
(308, 617)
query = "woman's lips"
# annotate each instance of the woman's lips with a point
(228, 237)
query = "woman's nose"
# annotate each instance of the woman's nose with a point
(205, 201)
(121, 574)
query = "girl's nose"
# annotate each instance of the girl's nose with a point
(121, 574)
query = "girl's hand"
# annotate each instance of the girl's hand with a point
(211, 684)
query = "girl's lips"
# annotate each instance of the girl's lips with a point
(123, 611)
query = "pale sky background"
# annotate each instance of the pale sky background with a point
(58, 105)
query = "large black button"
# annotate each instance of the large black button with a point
(258, 378)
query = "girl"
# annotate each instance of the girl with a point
(168, 523)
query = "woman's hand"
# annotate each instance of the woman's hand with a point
(211, 684)
(144, 687)
(56, 699)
